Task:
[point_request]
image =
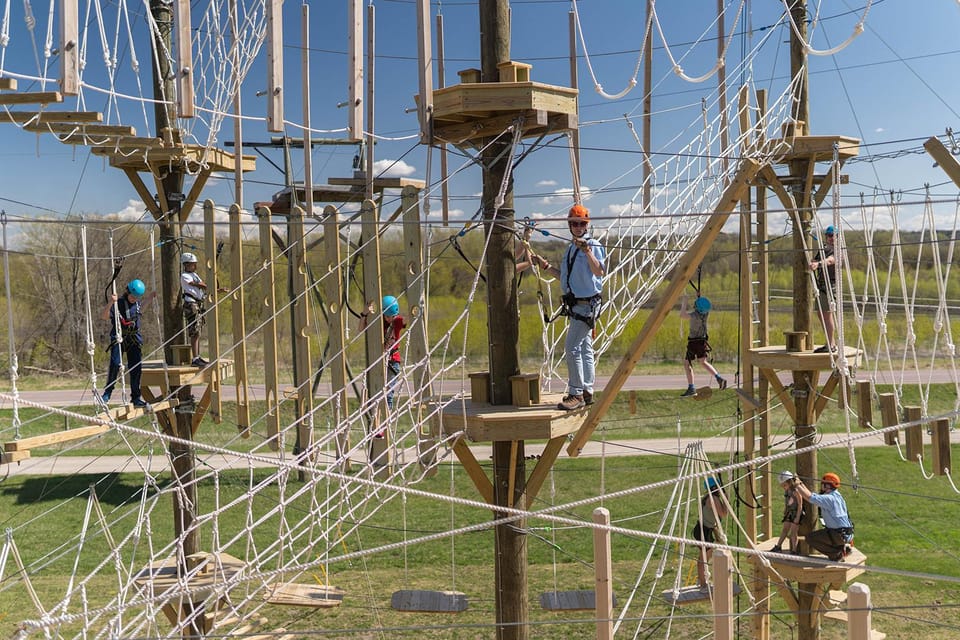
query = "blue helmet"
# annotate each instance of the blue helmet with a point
(137, 288)
(390, 306)
(829, 230)
(702, 305)
(711, 484)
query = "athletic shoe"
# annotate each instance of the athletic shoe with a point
(690, 391)
(140, 403)
(571, 403)
(721, 383)
(825, 349)
(587, 397)
(777, 549)
(106, 398)
(199, 362)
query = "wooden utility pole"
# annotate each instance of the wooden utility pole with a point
(170, 199)
(804, 381)
(510, 562)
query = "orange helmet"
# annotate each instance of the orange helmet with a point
(579, 212)
(831, 478)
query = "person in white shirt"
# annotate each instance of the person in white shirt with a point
(194, 293)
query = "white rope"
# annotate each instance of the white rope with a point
(91, 344)
(677, 69)
(632, 82)
(122, 381)
(857, 30)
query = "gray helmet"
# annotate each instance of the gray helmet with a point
(785, 476)
(187, 257)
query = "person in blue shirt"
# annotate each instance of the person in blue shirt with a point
(129, 310)
(834, 539)
(581, 280)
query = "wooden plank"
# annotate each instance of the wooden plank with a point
(304, 595)
(270, 366)
(41, 117)
(184, 53)
(941, 447)
(8, 84)
(201, 410)
(429, 601)
(90, 130)
(379, 184)
(825, 393)
(944, 158)
(239, 322)
(684, 270)
(69, 47)
(542, 469)
(274, 65)
(474, 470)
(774, 381)
(865, 404)
(7, 457)
(211, 274)
(37, 97)
(888, 414)
(914, 434)
(575, 600)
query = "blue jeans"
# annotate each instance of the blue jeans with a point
(578, 351)
(134, 356)
(393, 374)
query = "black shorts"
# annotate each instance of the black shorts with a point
(702, 533)
(697, 348)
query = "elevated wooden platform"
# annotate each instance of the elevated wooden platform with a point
(778, 358)
(468, 112)
(156, 373)
(484, 422)
(337, 190)
(815, 148)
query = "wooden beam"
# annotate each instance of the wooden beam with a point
(8, 84)
(184, 52)
(210, 271)
(89, 130)
(828, 388)
(474, 470)
(772, 180)
(199, 182)
(69, 47)
(201, 408)
(771, 377)
(944, 158)
(148, 200)
(274, 65)
(42, 117)
(270, 377)
(37, 97)
(681, 275)
(544, 464)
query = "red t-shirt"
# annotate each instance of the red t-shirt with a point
(391, 336)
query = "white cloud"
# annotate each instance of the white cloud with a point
(879, 130)
(392, 169)
(547, 183)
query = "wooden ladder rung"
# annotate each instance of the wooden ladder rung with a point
(38, 97)
(80, 130)
(42, 117)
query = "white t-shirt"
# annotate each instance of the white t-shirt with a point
(188, 282)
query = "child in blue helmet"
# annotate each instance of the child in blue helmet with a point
(124, 313)
(393, 326)
(697, 345)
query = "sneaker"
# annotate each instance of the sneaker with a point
(587, 397)
(825, 349)
(777, 549)
(199, 362)
(571, 402)
(691, 391)
(847, 549)
(140, 403)
(105, 398)
(721, 383)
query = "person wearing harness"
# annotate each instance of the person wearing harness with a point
(581, 279)
(697, 345)
(194, 293)
(824, 267)
(792, 512)
(125, 313)
(393, 326)
(713, 509)
(834, 540)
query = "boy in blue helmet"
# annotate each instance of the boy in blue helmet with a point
(393, 326)
(697, 345)
(124, 314)
(713, 508)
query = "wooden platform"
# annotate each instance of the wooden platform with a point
(575, 600)
(429, 601)
(155, 373)
(777, 357)
(469, 112)
(485, 422)
(304, 595)
(814, 568)
(691, 594)
(337, 190)
(815, 148)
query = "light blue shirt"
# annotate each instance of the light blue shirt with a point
(833, 509)
(582, 282)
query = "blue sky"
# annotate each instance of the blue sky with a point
(892, 87)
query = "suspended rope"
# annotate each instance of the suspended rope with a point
(11, 343)
(857, 30)
(90, 342)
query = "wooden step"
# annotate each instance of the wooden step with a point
(8, 84)
(42, 117)
(127, 412)
(38, 97)
(92, 130)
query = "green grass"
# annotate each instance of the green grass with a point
(903, 523)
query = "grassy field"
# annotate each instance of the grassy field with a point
(905, 525)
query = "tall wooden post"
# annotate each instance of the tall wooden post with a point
(503, 314)
(170, 196)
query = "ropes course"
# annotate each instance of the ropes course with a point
(337, 504)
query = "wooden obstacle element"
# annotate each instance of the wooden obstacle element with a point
(8, 84)
(525, 389)
(427, 601)
(304, 595)
(480, 387)
(691, 594)
(36, 97)
(575, 600)
(16, 450)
